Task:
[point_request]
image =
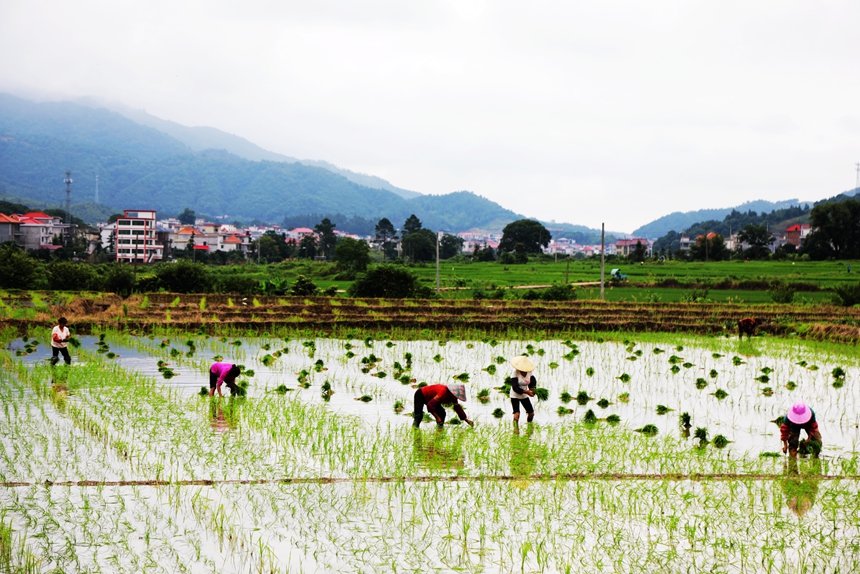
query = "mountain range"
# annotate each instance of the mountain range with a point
(147, 162)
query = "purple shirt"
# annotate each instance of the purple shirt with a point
(220, 369)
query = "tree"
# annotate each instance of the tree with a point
(419, 245)
(450, 246)
(352, 255)
(528, 233)
(308, 247)
(119, 279)
(328, 239)
(710, 248)
(385, 237)
(17, 269)
(390, 281)
(639, 253)
(836, 231)
(759, 239)
(187, 217)
(485, 254)
(273, 248)
(68, 276)
(411, 225)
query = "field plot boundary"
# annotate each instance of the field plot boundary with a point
(606, 476)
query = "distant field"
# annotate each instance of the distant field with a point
(820, 274)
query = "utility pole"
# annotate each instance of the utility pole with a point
(68, 182)
(602, 257)
(438, 239)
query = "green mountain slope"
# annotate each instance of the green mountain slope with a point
(140, 167)
(678, 221)
(201, 138)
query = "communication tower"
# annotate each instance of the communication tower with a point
(68, 182)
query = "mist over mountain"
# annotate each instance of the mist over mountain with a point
(140, 166)
(205, 138)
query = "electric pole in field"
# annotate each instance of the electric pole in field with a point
(68, 182)
(602, 257)
(438, 239)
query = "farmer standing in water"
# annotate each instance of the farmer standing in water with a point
(437, 396)
(223, 373)
(60, 336)
(800, 417)
(523, 385)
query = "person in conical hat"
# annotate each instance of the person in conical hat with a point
(523, 385)
(434, 397)
(800, 418)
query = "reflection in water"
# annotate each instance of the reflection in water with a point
(224, 413)
(524, 454)
(800, 485)
(438, 451)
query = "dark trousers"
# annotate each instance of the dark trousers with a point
(419, 410)
(55, 351)
(813, 436)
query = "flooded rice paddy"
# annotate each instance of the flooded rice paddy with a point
(117, 464)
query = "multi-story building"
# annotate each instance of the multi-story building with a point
(38, 230)
(136, 240)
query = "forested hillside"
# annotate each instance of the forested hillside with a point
(141, 167)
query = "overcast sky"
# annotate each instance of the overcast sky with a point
(571, 111)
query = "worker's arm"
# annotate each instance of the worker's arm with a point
(434, 403)
(533, 383)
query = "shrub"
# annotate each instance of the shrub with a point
(846, 294)
(183, 277)
(304, 287)
(68, 276)
(782, 293)
(238, 284)
(119, 279)
(17, 269)
(390, 281)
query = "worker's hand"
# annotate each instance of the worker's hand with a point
(530, 392)
(784, 447)
(439, 421)
(470, 423)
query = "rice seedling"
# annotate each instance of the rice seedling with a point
(542, 394)
(648, 430)
(720, 394)
(701, 383)
(603, 403)
(484, 395)
(590, 418)
(565, 397)
(663, 409)
(582, 398)
(562, 410)
(498, 413)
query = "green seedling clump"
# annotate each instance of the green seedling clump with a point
(790, 385)
(398, 406)
(364, 398)
(462, 377)
(281, 389)
(566, 397)
(491, 369)
(603, 403)
(498, 413)
(624, 378)
(582, 397)
(613, 419)
(685, 420)
(589, 371)
(720, 394)
(484, 395)
(562, 410)
(590, 418)
(624, 397)
(648, 430)
(663, 409)
(203, 392)
(542, 394)
(701, 383)
(720, 441)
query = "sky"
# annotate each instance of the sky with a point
(581, 112)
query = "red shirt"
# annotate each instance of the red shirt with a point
(439, 395)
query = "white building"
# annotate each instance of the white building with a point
(136, 240)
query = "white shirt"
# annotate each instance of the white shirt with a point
(61, 333)
(523, 385)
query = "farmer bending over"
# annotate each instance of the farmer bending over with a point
(523, 385)
(799, 417)
(223, 373)
(437, 396)
(60, 336)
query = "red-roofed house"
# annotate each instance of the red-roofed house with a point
(627, 246)
(797, 233)
(37, 229)
(10, 228)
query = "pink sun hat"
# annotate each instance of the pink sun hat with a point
(458, 390)
(799, 413)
